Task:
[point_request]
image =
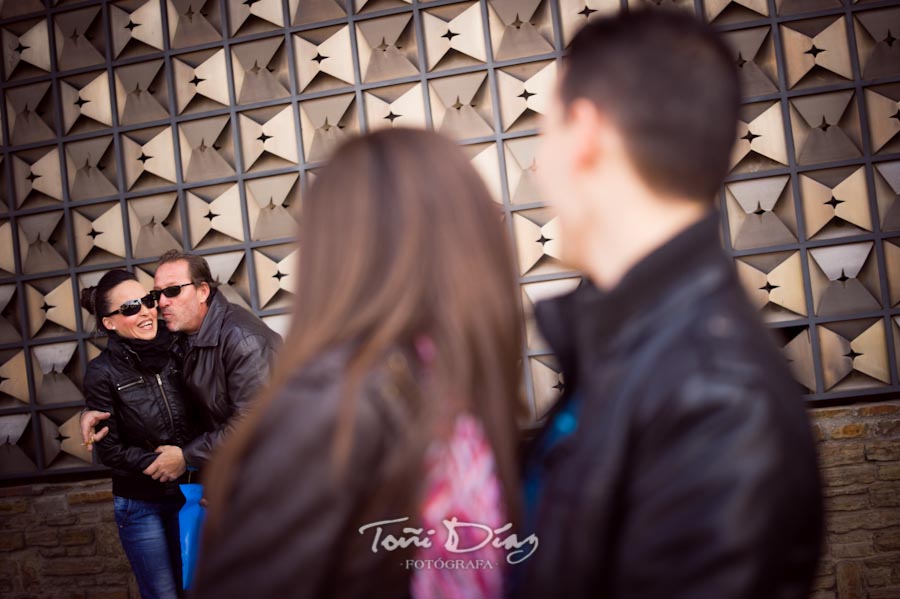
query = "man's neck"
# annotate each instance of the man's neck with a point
(635, 232)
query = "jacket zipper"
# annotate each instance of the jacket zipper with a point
(129, 384)
(168, 409)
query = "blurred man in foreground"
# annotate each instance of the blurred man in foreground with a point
(679, 462)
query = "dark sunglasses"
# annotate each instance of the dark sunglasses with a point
(172, 291)
(132, 307)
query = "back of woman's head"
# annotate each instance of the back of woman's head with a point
(96, 299)
(400, 239)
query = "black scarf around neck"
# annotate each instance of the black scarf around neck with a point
(153, 354)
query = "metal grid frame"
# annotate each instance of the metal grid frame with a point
(858, 85)
(847, 10)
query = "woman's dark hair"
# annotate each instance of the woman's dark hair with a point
(96, 299)
(400, 239)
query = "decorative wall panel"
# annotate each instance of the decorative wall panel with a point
(775, 284)
(854, 354)
(761, 143)
(817, 52)
(461, 105)
(754, 55)
(201, 81)
(454, 36)
(323, 58)
(130, 127)
(879, 54)
(85, 102)
(761, 212)
(31, 113)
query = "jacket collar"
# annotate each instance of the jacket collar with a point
(117, 347)
(589, 323)
(210, 330)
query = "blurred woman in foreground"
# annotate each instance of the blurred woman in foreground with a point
(395, 396)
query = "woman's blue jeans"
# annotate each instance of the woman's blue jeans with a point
(149, 534)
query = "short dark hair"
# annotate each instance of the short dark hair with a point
(96, 299)
(198, 267)
(668, 82)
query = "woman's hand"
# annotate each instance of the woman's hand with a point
(169, 465)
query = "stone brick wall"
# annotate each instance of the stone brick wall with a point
(859, 451)
(59, 540)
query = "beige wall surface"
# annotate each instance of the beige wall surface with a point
(131, 127)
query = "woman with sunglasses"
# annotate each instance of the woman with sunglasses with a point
(137, 379)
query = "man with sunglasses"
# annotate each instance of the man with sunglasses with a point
(227, 354)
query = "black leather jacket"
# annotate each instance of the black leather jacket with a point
(148, 410)
(289, 527)
(692, 469)
(226, 363)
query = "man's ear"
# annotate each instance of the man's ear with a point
(589, 127)
(203, 291)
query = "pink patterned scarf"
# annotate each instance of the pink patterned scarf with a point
(461, 483)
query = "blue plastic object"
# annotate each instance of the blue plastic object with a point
(190, 526)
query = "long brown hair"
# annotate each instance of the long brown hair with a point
(400, 238)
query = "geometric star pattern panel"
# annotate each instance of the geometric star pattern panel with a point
(810, 208)
(131, 127)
